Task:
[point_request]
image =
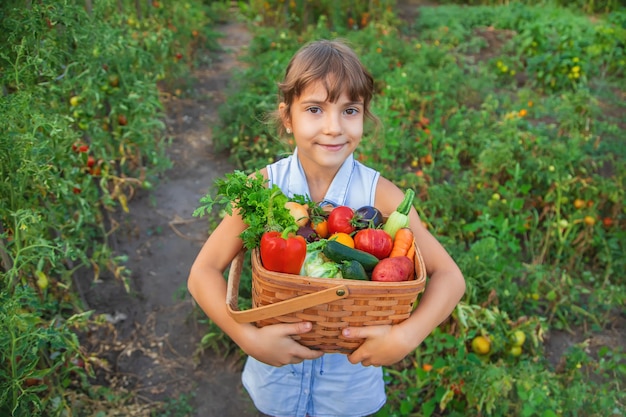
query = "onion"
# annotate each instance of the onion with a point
(299, 212)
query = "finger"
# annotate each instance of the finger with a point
(299, 352)
(356, 332)
(373, 335)
(307, 353)
(354, 358)
(299, 328)
(304, 352)
(288, 329)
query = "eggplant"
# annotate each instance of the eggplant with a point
(368, 217)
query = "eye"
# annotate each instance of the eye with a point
(314, 109)
(350, 111)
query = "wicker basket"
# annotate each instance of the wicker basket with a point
(330, 304)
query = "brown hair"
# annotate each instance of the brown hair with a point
(334, 64)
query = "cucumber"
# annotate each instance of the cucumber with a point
(353, 270)
(339, 253)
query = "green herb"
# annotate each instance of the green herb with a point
(251, 196)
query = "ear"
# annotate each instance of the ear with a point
(284, 115)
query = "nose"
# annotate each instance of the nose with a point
(333, 124)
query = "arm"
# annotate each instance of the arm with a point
(270, 344)
(445, 287)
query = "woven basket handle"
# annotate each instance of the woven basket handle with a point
(276, 309)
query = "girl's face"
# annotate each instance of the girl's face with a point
(325, 133)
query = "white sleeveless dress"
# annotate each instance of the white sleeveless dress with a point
(329, 386)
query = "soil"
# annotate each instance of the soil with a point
(150, 343)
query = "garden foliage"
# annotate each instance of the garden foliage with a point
(507, 121)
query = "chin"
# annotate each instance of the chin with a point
(334, 160)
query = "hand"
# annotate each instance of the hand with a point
(274, 346)
(383, 345)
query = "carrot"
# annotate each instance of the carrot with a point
(402, 242)
(411, 252)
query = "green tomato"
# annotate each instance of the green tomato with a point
(515, 350)
(518, 338)
(481, 345)
(42, 280)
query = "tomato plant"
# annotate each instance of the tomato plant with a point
(66, 167)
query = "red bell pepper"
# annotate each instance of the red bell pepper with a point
(283, 252)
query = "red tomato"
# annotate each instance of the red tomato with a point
(340, 220)
(374, 241)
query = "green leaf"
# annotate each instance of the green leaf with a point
(250, 195)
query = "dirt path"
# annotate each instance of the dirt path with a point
(152, 340)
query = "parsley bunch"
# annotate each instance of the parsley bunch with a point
(250, 195)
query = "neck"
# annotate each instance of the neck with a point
(318, 179)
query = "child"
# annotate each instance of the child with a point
(324, 100)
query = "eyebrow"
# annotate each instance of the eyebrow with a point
(317, 102)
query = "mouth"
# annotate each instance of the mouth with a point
(332, 148)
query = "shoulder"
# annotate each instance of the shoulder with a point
(286, 160)
(365, 174)
(278, 171)
(280, 166)
(262, 171)
(364, 168)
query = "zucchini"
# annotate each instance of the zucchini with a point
(353, 270)
(400, 217)
(339, 253)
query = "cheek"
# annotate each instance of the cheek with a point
(305, 130)
(301, 139)
(356, 131)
